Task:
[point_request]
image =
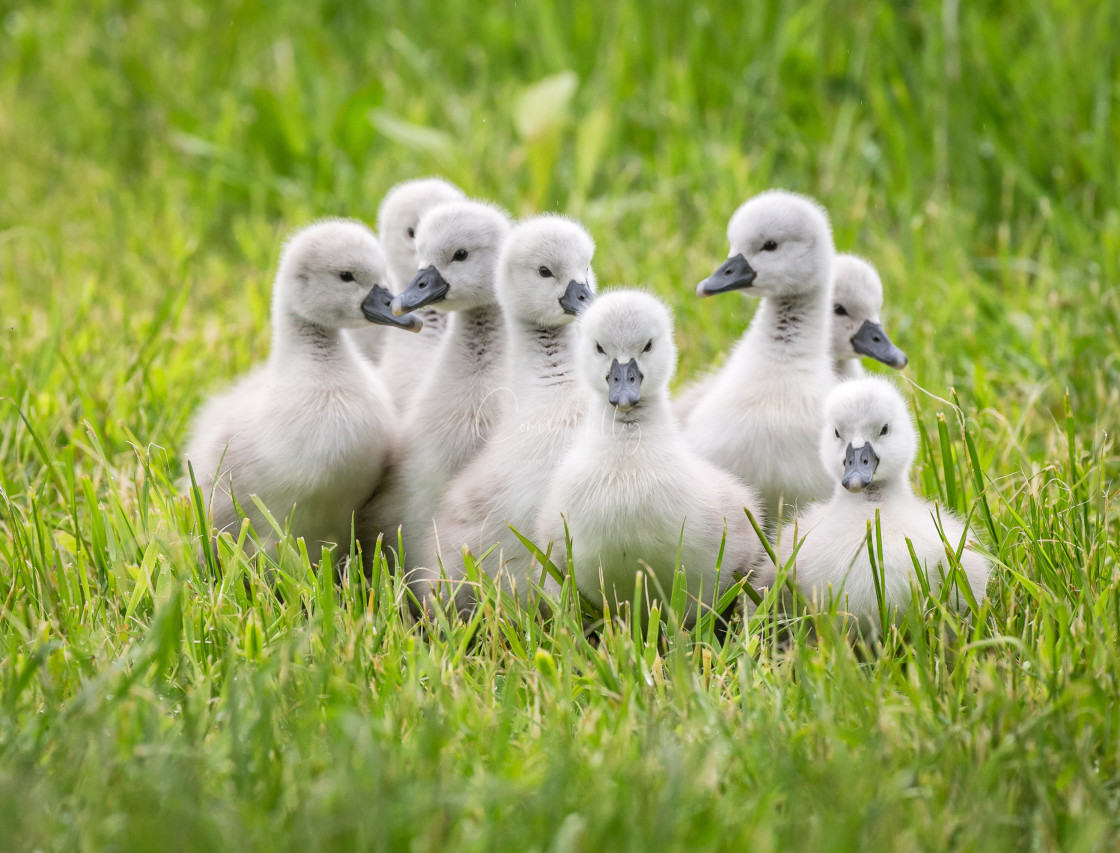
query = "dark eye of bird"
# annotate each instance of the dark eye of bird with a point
(599, 349)
(769, 246)
(836, 431)
(883, 431)
(460, 255)
(346, 275)
(649, 346)
(411, 233)
(544, 272)
(840, 310)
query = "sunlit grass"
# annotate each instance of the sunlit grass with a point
(154, 157)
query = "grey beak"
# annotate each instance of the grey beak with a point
(576, 298)
(872, 341)
(735, 274)
(859, 467)
(376, 308)
(426, 287)
(624, 385)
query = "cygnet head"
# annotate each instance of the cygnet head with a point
(544, 275)
(626, 349)
(333, 274)
(857, 296)
(781, 246)
(399, 215)
(868, 436)
(457, 244)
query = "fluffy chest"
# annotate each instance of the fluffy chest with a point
(836, 552)
(765, 428)
(627, 519)
(335, 435)
(764, 409)
(625, 493)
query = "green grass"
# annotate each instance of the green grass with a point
(154, 156)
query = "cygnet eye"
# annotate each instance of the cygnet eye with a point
(839, 310)
(649, 346)
(544, 272)
(769, 246)
(884, 430)
(599, 349)
(346, 275)
(460, 255)
(835, 430)
(411, 233)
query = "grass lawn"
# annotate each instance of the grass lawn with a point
(152, 158)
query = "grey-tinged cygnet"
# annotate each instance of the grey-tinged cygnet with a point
(868, 444)
(857, 300)
(631, 488)
(544, 281)
(761, 414)
(308, 431)
(403, 358)
(451, 413)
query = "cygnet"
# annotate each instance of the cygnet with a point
(544, 282)
(405, 357)
(452, 412)
(868, 444)
(631, 490)
(857, 300)
(308, 431)
(761, 414)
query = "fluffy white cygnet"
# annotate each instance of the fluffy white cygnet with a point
(452, 412)
(761, 414)
(544, 281)
(405, 357)
(857, 331)
(868, 444)
(857, 299)
(630, 482)
(308, 431)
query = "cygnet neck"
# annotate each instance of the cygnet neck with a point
(541, 354)
(795, 327)
(474, 337)
(295, 338)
